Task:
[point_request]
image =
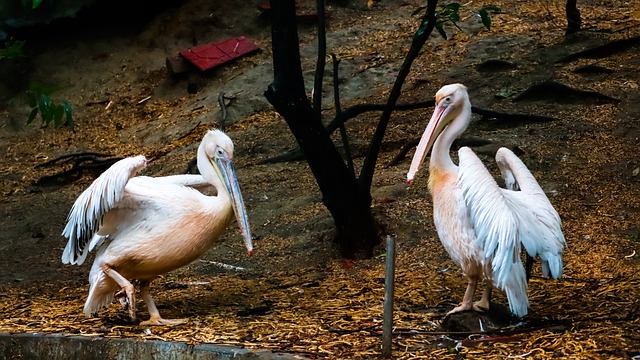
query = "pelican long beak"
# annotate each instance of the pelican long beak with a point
(434, 128)
(228, 175)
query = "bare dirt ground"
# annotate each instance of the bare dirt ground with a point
(296, 294)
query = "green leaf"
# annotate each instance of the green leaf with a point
(421, 29)
(486, 19)
(44, 102)
(32, 115)
(453, 7)
(36, 3)
(68, 110)
(58, 113)
(45, 109)
(441, 30)
(418, 10)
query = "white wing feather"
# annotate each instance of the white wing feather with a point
(496, 229)
(540, 225)
(506, 220)
(88, 211)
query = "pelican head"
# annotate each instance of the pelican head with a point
(451, 100)
(217, 147)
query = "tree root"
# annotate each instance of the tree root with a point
(603, 51)
(84, 161)
(556, 92)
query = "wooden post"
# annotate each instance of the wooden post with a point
(389, 274)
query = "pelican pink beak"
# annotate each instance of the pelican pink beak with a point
(436, 125)
(230, 180)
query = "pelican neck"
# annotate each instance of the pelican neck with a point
(440, 153)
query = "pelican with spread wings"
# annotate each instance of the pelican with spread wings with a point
(482, 226)
(143, 227)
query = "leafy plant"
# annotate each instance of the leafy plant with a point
(451, 13)
(38, 97)
(12, 50)
(32, 3)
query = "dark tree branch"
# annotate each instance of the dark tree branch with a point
(223, 109)
(498, 120)
(368, 167)
(343, 130)
(322, 54)
(356, 110)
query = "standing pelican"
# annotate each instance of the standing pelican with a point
(144, 226)
(481, 225)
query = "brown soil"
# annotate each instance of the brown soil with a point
(301, 296)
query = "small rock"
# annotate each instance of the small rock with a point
(497, 317)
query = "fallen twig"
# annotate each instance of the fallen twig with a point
(80, 165)
(223, 265)
(80, 155)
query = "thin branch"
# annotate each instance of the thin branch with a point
(322, 53)
(343, 130)
(368, 167)
(223, 108)
(356, 110)
(498, 119)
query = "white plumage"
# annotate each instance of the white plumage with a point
(482, 226)
(143, 227)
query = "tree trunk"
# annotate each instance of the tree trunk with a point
(348, 203)
(573, 17)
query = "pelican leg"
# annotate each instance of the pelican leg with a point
(467, 301)
(485, 302)
(126, 286)
(154, 314)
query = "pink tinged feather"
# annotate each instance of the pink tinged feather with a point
(144, 226)
(479, 223)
